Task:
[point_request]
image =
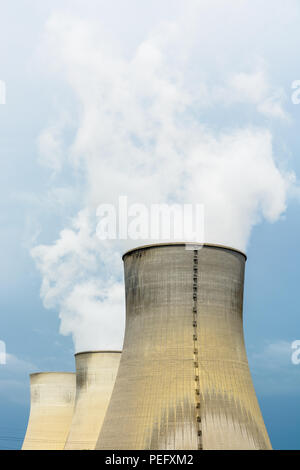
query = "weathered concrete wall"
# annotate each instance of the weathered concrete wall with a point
(95, 377)
(51, 410)
(184, 380)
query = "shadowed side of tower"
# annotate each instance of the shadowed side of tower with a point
(51, 410)
(184, 380)
(95, 377)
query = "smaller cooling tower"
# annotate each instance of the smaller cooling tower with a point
(51, 410)
(95, 377)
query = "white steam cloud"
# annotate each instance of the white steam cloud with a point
(140, 131)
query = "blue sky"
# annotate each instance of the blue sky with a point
(63, 64)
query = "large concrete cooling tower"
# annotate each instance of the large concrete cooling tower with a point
(95, 377)
(51, 410)
(184, 380)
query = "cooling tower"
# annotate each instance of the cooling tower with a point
(184, 380)
(51, 410)
(95, 377)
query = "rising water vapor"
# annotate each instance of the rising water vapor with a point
(143, 129)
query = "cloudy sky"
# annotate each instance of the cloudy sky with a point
(162, 102)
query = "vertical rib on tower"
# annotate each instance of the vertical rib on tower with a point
(184, 380)
(95, 377)
(51, 410)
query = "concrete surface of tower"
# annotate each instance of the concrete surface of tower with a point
(184, 380)
(51, 410)
(95, 377)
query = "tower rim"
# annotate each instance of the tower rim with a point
(161, 245)
(100, 351)
(51, 372)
